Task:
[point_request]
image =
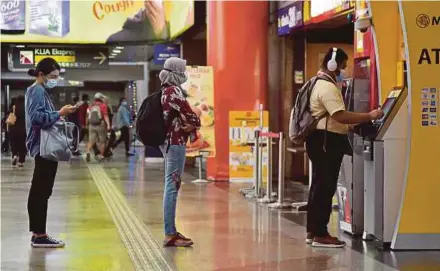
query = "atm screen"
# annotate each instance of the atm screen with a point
(387, 106)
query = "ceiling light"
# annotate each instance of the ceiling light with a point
(120, 47)
(19, 46)
(116, 51)
(111, 56)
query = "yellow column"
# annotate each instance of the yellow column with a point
(386, 33)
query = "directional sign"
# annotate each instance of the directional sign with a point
(68, 58)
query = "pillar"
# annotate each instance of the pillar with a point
(237, 33)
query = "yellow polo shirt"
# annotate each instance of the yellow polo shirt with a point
(326, 97)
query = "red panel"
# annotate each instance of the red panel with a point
(237, 49)
(374, 86)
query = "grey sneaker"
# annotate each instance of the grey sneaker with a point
(46, 242)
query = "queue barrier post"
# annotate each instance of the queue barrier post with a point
(280, 204)
(200, 157)
(268, 198)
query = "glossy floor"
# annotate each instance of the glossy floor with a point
(110, 215)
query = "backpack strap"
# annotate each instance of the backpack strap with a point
(328, 78)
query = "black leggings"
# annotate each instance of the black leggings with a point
(41, 190)
(125, 136)
(325, 173)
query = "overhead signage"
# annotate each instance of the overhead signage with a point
(93, 22)
(164, 51)
(68, 58)
(318, 7)
(290, 18)
(283, 4)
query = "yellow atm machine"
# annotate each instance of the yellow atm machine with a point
(384, 154)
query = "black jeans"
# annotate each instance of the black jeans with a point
(41, 189)
(18, 146)
(125, 136)
(325, 173)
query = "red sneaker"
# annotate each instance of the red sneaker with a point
(328, 242)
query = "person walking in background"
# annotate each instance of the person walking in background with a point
(183, 123)
(111, 137)
(5, 128)
(17, 133)
(74, 118)
(82, 116)
(124, 123)
(98, 123)
(41, 114)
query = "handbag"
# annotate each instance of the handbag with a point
(57, 142)
(12, 118)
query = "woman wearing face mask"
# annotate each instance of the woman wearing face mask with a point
(41, 114)
(325, 146)
(124, 124)
(182, 122)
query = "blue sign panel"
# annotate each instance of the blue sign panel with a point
(290, 18)
(164, 51)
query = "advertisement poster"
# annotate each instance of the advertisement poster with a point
(96, 22)
(200, 88)
(242, 126)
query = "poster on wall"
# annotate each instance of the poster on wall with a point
(94, 22)
(242, 126)
(200, 88)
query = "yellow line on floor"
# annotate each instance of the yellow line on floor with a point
(142, 248)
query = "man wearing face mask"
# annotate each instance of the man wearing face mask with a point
(325, 145)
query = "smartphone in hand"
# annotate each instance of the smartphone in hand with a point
(78, 104)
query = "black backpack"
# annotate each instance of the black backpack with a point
(151, 129)
(302, 123)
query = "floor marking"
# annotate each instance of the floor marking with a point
(142, 248)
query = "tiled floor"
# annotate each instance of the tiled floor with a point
(230, 232)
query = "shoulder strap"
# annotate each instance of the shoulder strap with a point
(13, 109)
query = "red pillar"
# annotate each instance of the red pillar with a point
(237, 34)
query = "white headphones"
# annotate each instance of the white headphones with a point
(332, 65)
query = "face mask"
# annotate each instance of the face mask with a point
(339, 79)
(51, 83)
(124, 103)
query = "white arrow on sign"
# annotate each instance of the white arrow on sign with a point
(102, 57)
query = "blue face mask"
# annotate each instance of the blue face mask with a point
(51, 83)
(339, 79)
(124, 103)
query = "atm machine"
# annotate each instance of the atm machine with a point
(350, 191)
(384, 151)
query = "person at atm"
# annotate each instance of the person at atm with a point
(327, 144)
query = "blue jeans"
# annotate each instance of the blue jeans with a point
(174, 166)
